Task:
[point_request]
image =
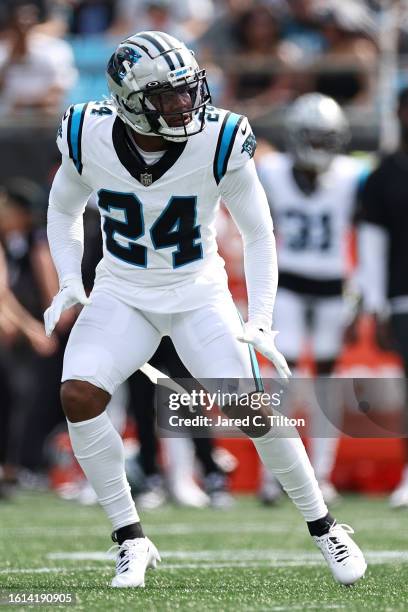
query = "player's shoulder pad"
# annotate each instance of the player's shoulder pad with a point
(236, 144)
(71, 130)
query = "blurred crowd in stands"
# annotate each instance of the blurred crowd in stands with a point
(258, 53)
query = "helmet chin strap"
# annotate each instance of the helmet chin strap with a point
(134, 127)
(175, 138)
(137, 129)
(182, 137)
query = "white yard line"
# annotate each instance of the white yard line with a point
(49, 570)
(239, 556)
(209, 559)
(305, 606)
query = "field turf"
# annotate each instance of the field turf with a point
(247, 558)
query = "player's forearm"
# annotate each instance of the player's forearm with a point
(17, 314)
(373, 255)
(68, 198)
(249, 208)
(66, 240)
(261, 273)
(44, 272)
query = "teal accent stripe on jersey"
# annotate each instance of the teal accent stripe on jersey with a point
(254, 362)
(75, 133)
(255, 369)
(362, 179)
(225, 143)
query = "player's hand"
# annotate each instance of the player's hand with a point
(72, 292)
(43, 346)
(264, 342)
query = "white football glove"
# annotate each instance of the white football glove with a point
(264, 342)
(72, 292)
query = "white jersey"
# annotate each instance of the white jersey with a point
(312, 229)
(158, 221)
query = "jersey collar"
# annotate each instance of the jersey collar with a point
(133, 161)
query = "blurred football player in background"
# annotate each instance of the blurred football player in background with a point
(159, 176)
(31, 282)
(180, 453)
(22, 337)
(383, 248)
(312, 191)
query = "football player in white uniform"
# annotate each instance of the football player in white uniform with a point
(159, 161)
(312, 191)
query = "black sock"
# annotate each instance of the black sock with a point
(321, 526)
(129, 532)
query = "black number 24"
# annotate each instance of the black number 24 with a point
(175, 227)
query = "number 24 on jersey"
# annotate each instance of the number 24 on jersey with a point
(175, 227)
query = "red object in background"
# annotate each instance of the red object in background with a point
(64, 468)
(363, 465)
(246, 477)
(368, 465)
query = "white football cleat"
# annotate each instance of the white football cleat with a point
(87, 495)
(186, 492)
(133, 559)
(154, 496)
(399, 497)
(343, 556)
(189, 494)
(330, 494)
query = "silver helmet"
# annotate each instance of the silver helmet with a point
(144, 73)
(316, 130)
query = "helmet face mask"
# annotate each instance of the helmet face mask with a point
(152, 95)
(316, 131)
(165, 106)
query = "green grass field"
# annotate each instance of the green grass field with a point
(247, 558)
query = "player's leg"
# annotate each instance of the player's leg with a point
(141, 406)
(399, 326)
(206, 342)
(290, 319)
(5, 411)
(108, 343)
(178, 453)
(326, 337)
(45, 413)
(185, 489)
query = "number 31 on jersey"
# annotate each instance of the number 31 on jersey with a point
(175, 227)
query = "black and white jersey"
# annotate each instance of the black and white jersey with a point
(311, 228)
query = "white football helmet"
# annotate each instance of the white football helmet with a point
(316, 130)
(146, 68)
